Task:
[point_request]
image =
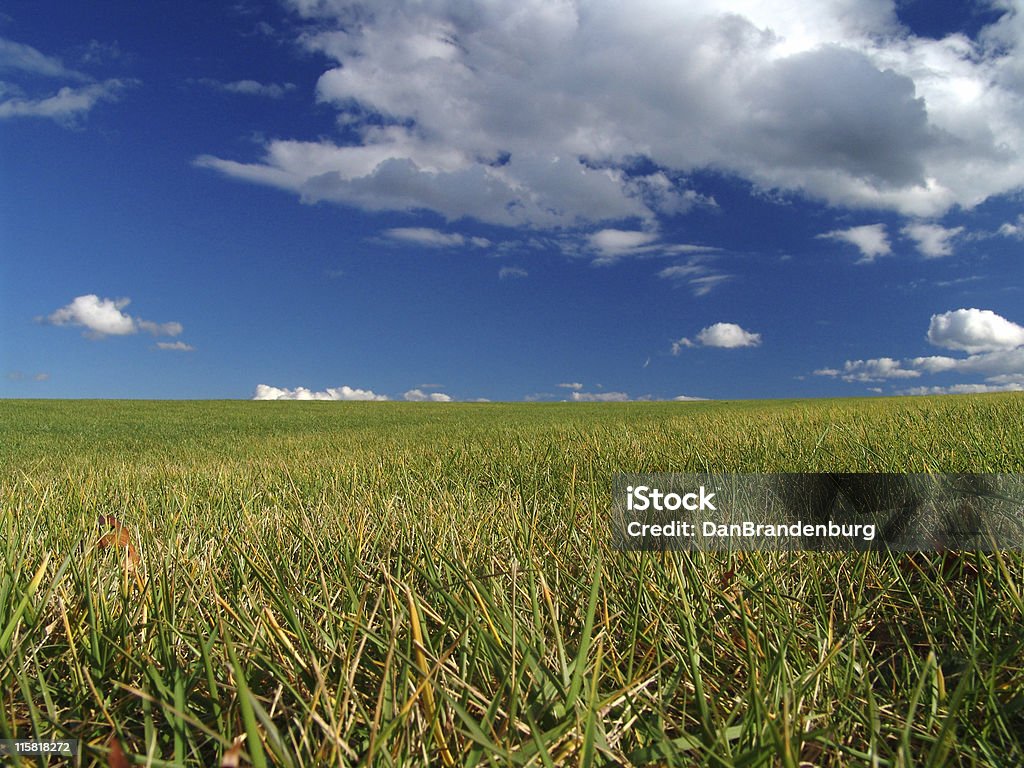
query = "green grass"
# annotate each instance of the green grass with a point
(430, 584)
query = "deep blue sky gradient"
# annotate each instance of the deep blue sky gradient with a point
(277, 291)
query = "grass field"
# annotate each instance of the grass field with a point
(431, 584)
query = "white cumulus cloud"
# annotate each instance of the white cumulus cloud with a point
(419, 396)
(723, 335)
(103, 317)
(533, 113)
(266, 392)
(871, 239)
(974, 330)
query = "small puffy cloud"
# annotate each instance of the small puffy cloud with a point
(250, 87)
(688, 399)
(67, 105)
(974, 330)
(507, 273)
(933, 241)
(1013, 229)
(103, 317)
(434, 238)
(573, 385)
(871, 239)
(266, 392)
(599, 397)
(722, 335)
(419, 396)
(177, 346)
(100, 317)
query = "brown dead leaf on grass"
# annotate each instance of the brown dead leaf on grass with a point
(233, 757)
(115, 534)
(116, 757)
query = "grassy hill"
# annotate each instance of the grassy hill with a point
(355, 583)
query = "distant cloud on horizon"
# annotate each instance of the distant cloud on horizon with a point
(267, 392)
(993, 344)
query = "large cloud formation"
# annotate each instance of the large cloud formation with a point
(535, 112)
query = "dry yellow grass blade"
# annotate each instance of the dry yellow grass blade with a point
(429, 704)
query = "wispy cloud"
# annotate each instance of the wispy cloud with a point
(176, 346)
(65, 106)
(21, 376)
(68, 105)
(599, 397)
(877, 369)
(25, 58)
(698, 275)
(608, 246)
(434, 238)
(249, 87)
(509, 273)
(933, 241)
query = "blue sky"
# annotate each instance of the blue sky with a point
(512, 200)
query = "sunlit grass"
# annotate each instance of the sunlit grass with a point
(431, 584)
